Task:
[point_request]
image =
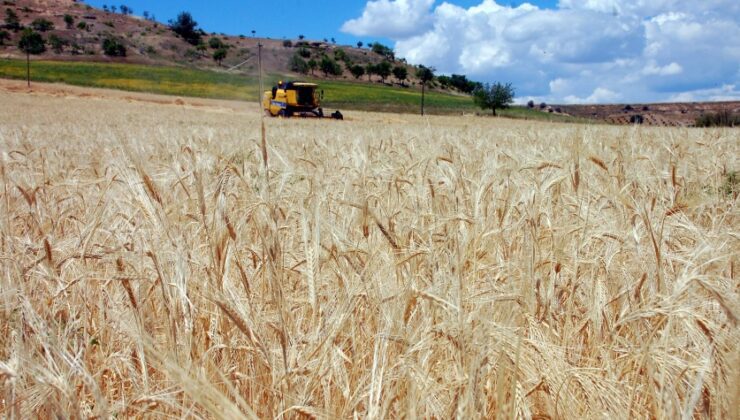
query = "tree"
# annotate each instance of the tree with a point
(383, 69)
(12, 21)
(359, 44)
(493, 96)
(57, 44)
(381, 49)
(113, 47)
(298, 65)
(215, 43)
(330, 67)
(530, 104)
(369, 70)
(301, 37)
(145, 14)
(186, 27)
(4, 36)
(31, 42)
(219, 55)
(425, 75)
(113, 9)
(42, 25)
(69, 20)
(357, 71)
(313, 65)
(400, 73)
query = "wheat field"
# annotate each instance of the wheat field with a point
(157, 261)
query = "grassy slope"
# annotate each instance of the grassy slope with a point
(209, 84)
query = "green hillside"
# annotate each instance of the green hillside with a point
(181, 81)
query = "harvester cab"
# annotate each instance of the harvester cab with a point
(287, 99)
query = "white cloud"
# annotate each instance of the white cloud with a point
(391, 18)
(668, 70)
(584, 50)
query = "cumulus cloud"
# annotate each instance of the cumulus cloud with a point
(582, 50)
(391, 18)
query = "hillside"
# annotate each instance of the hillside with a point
(147, 41)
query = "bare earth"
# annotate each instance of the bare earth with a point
(157, 259)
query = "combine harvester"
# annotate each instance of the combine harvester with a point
(287, 99)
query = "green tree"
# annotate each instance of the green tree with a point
(400, 73)
(425, 75)
(359, 44)
(381, 49)
(330, 67)
(12, 21)
(298, 65)
(57, 44)
(215, 43)
(186, 27)
(383, 69)
(31, 42)
(369, 70)
(312, 65)
(69, 20)
(219, 55)
(494, 96)
(4, 36)
(113, 47)
(357, 71)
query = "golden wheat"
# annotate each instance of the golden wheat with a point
(154, 264)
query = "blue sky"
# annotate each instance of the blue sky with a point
(559, 51)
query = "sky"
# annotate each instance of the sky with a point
(557, 51)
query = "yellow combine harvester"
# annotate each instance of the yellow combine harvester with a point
(287, 99)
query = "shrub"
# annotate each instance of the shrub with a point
(42, 25)
(4, 36)
(112, 47)
(288, 43)
(220, 55)
(215, 43)
(381, 49)
(720, 119)
(12, 21)
(298, 64)
(57, 44)
(69, 20)
(304, 52)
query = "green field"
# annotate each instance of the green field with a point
(181, 81)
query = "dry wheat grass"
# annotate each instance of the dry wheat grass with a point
(435, 268)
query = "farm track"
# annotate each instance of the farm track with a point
(156, 260)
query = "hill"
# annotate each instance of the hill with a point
(75, 31)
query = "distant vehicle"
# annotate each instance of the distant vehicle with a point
(287, 99)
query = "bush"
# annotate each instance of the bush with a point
(11, 20)
(381, 49)
(720, 119)
(220, 55)
(113, 47)
(215, 43)
(303, 52)
(57, 44)
(288, 43)
(42, 25)
(298, 64)
(4, 36)
(69, 20)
